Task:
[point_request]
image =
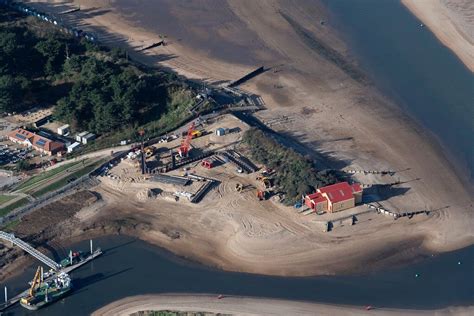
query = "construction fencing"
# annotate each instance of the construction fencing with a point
(86, 181)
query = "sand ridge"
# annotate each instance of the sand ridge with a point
(452, 22)
(236, 305)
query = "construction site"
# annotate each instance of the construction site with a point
(187, 165)
(205, 166)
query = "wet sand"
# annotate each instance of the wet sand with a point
(337, 114)
(452, 21)
(252, 306)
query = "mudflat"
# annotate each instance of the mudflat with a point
(339, 117)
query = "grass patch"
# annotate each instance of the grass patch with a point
(6, 198)
(62, 182)
(7, 209)
(11, 226)
(31, 182)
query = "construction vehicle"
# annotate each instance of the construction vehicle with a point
(149, 151)
(43, 292)
(262, 195)
(34, 284)
(239, 187)
(267, 182)
(196, 133)
(183, 150)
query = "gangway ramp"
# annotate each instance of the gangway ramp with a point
(32, 251)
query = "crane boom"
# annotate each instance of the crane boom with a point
(36, 280)
(185, 144)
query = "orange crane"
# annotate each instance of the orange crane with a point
(185, 144)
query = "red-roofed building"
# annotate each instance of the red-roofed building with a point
(334, 198)
(317, 202)
(39, 143)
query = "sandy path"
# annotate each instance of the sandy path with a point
(251, 306)
(344, 120)
(452, 21)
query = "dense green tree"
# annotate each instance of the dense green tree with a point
(23, 165)
(9, 92)
(295, 174)
(54, 52)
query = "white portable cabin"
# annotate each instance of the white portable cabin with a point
(63, 130)
(87, 138)
(73, 147)
(80, 135)
(220, 131)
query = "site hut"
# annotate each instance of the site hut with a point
(88, 138)
(220, 131)
(42, 121)
(37, 142)
(73, 147)
(334, 198)
(63, 130)
(80, 135)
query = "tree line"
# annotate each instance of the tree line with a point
(94, 88)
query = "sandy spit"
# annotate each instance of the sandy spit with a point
(452, 23)
(252, 306)
(345, 120)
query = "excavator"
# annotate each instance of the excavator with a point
(239, 187)
(149, 151)
(37, 280)
(267, 182)
(262, 195)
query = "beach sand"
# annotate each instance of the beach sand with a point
(342, 121)
(452, 21)
(235, 305)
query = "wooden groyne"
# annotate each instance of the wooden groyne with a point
(248, 76)
(396, 215)
(152, 46)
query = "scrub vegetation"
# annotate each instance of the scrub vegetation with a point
(295, 174)
(94, 88)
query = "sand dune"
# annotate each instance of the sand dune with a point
(452, 21)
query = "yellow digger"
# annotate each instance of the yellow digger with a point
(37, 280)
(149, 151)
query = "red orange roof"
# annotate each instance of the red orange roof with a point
(338, 192)
(316, 198)
(36, 140)
(356, 188)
